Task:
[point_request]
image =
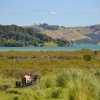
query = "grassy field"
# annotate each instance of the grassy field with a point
(50, 44)
(65, 75)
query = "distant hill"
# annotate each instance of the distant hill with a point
(75, 35)
(16, 36)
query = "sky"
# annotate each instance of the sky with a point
(68, 13)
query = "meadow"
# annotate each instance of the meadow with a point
(65, 75)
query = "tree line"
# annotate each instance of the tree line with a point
(16, 36)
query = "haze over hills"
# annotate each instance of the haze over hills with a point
(76, 35)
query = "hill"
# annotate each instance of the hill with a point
(78, 35)
(16, 36)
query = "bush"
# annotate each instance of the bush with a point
(87, 57)
(95, 52)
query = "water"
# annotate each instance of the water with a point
(53, 48)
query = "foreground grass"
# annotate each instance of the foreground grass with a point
(71, 84)
(65, 75)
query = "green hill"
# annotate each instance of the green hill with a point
(16, 36)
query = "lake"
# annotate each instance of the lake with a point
(53, 48)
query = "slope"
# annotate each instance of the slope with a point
(69, 33)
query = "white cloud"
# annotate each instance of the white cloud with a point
(94, 12)
(41, 10)
(54, 13)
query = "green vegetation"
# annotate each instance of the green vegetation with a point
(65, 75)
(46, 61)
(16, 36)
(50, 44)
(49, 27)
(71, 84)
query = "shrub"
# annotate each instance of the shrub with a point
(87, 57)
(95, 52)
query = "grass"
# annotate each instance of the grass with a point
(76, 32)
(50, 44)
(16, 63)
(65, 75)
(71, 84)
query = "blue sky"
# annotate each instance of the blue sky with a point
(68, 13)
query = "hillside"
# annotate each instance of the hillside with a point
(16, 36)
(79, 35)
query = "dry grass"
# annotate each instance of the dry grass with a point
(70, 33)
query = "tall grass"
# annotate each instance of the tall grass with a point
(70, 84)
(80, 85)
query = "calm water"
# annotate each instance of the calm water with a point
(52, 48)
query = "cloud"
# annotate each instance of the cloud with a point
(69, 12)
(82, 12)
(94, 12)
(91, 12)
(9, 13)
(41, 10)
(4, 13)
(54, 13)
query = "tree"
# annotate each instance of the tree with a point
(14, 36)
